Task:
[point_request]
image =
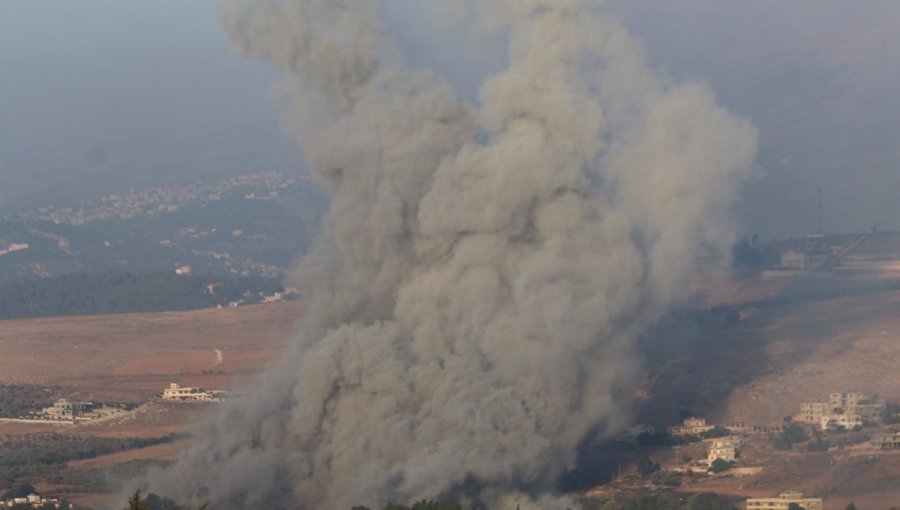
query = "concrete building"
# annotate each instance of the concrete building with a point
(794, 259)
(690, 427)
(65, 409)
(754, 428)
(783, 501)
(725, 448)
(183, 270)
(176, 392)
(867, 405)
(887, 441)
(35, 501)
(726, 453)
(845, 421)
(812, 412)
(735, 442)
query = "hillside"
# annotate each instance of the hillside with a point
(122, 292)
(251, 225)
(131, 357)
(761, 368)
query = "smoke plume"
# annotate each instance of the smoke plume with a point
(483, 270)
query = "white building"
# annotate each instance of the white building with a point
(178, 393)
(726, 453)
(793, 259)
(725, 448)
(183, 270)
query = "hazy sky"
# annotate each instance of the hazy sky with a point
(103, 94)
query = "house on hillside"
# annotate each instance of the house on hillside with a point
(848, 410)
(177, 393)
(812, 412)
(63, 409)
(690, 427)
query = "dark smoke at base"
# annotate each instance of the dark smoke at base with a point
(482, 272)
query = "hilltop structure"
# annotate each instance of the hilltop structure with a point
(177, 393)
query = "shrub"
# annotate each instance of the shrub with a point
(645, 465)
(720, 465)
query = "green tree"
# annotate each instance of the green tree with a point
(794, 433)
(136, 503)
(437, 505)
(654, 502)
(709, 501)
(645, 465)
(795, 506)
(19, 492)
(851, 506)
(720, 465)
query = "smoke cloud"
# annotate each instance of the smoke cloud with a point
(483, 270)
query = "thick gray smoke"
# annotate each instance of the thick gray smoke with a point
(483, 271)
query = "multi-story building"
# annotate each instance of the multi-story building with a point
(812, 412)
(887, 441)
(846, 421)
(65, 409)
(867, 405)
(726, 453)
(691, 427)
(725, 448)
(187, 394)
(783, 502)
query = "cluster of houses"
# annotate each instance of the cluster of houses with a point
(35, 501)
(725, 448)
(699, 427)
(68, 410)
(842, 410)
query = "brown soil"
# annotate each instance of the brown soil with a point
(167, 451)
(132, 356)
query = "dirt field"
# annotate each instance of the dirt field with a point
(131, 357)
(762, 368)
(758, 370)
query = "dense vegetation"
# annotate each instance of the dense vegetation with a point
(123, 292)
(704, 501)
(792, 434)
(42, 456)
(18, 400)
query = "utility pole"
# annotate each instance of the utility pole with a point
(820, 209)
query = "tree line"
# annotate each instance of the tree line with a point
(123, 292)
